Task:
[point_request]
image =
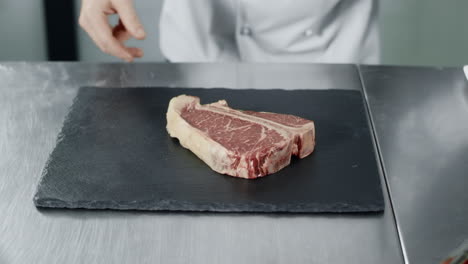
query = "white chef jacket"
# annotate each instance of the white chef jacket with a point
(325, 31)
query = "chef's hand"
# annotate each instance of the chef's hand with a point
(93, 19)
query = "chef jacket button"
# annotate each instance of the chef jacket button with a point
(245, 31)
(309, 32)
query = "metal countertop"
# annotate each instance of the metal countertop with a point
(420, 117)
(34, 98)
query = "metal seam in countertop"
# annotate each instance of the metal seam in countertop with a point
(382, 164)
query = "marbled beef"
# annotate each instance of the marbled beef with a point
(239, 143)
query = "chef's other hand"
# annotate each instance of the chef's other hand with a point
(93, 19)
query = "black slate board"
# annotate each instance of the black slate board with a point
(114, 153)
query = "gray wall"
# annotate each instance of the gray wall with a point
(22, 35)
(424, 32)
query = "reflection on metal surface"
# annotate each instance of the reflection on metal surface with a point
(459, 255)
(421, 120)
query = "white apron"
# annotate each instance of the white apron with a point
(322, 31)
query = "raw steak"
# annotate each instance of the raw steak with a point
(239, 143)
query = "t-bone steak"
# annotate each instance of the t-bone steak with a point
(239, 143)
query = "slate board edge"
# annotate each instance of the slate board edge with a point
(57, 141)
(169, 205)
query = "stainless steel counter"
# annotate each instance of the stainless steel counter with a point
(33, 102)
(421, 121)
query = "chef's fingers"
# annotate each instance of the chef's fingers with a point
(121, 33)
(93, 19)
(129, 17)
(136, 52)
(103, 37)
